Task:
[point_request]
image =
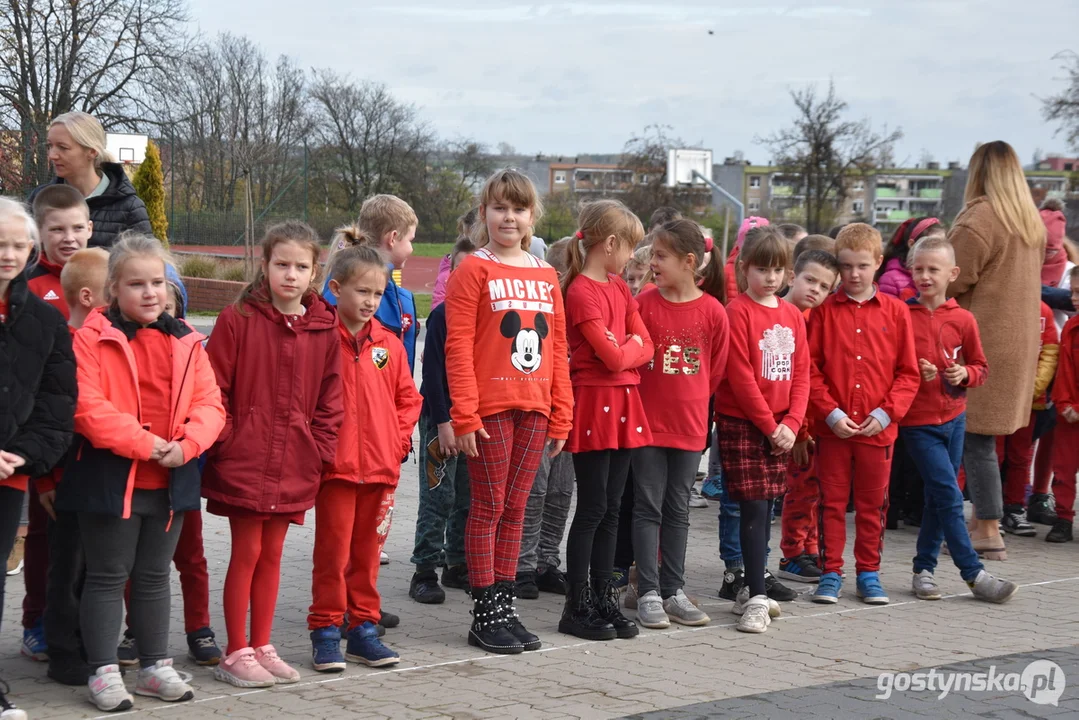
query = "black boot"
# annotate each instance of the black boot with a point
(7, 708)
(1061, 532)
(489, 631)
(581, 618)
(504, 598)
(608, 608)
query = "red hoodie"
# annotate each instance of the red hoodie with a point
(947, 330)
(280, 380)
(378, 389)
(1066, 386)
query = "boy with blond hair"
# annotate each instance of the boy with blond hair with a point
(864, 379)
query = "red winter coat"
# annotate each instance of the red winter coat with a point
(280, 383)
(381, 404)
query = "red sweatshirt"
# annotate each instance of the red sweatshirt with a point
(593, 308)
(506, 343)
(1066, 386)
(44, 281)
(863, 363)
(949, 330)
(768, 372)
(691, 343)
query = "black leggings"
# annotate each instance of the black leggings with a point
(10, 514)
(601, 479)
(623, 552)
(756, 519)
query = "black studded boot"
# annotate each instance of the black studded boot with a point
(580, 617)
(504, 598)
(608, 608)
(489, 631)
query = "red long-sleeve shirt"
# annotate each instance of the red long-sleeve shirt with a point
(949, 330)
(690, 360)
(863, 361)
(506, 343)
(1066, 386)
(593, 308)
(768, 371)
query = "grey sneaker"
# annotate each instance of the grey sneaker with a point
(756, 616)
(650, 612)
(742, 602)
(696, 500)
(924, 585)
(682, 611)
(992, 589)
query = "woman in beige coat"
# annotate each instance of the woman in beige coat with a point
(999, 242)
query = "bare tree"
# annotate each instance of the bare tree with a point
(98, 56)
(644, 158)
(1063, 108)
(823, 151)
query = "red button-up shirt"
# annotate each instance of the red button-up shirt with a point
(863, 362)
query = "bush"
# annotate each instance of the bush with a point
(232, 271)
(198, 266)
(150, 186)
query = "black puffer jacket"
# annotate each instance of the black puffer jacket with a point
(37, 381)
(115, 210)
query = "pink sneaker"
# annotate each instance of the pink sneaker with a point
(282, 672)
(242, 669)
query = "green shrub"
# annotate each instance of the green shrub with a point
(198, 266)
(233, 271)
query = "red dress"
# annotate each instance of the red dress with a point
(607, 409)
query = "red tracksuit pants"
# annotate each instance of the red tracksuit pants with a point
(800, 509)
(352, 522)
(1016, 453)
(1065, 465)
(841, 465)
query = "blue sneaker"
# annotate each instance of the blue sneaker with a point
(365, 647)
(829, 589)
(799, 569)
(326, 650)
(712, 487)
(33, 643)
(870, 590)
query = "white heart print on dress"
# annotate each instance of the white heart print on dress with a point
(640, 429)
(623, 419)
(606, 408)
(588, 432)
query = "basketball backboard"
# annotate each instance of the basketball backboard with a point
(681, 162)
(127, 148)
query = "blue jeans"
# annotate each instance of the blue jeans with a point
(440, 520)
(937, 450)
(730, 529)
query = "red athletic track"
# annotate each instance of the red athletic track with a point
(418, 275)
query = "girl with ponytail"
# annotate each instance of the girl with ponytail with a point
(894, 276)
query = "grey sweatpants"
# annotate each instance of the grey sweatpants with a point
(116, 549)
(662, 478)
(546, 513)
(983, 476)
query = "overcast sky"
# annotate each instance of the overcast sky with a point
(567, 78)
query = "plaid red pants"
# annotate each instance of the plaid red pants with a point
(501, 477)
(800, 509)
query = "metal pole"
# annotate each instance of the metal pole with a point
(305, 180)
(172, 173)
(726, 229)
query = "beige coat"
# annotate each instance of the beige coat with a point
(1000, 282)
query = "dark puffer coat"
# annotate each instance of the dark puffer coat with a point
(115, 210)
(37, 381)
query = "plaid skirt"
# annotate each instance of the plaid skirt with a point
(750, 470)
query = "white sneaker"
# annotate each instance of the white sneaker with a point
(107, 690)
(650, 613)
(682, 611)
(992, 589)
(924, 585)
(163, 682)
(383, 558)
(741, 603)
(696, 500)
(756, 615)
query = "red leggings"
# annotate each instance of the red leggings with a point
(253, 577)
(1016, 453)
(1065, 466)
(1043, 463)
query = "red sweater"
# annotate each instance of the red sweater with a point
(1066, 386)
(382, 406)
(691, 342)
(593, 308)
(153, 359)
(863, 361)
(506, 343)
(949, 329)
(768, 372)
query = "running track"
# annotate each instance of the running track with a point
(418, 275)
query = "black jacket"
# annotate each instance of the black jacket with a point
(114, 211)
(37, 381)
(435, 388)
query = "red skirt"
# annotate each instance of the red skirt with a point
(607, 418)
(216, 507)
(750, 470)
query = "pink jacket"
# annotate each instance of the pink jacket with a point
(443, 278)
(896, 280)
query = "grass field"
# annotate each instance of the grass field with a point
(423, 304)
(431, 249)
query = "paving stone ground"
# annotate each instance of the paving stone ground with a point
(814, 661)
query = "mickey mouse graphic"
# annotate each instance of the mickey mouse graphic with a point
(526, 351)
